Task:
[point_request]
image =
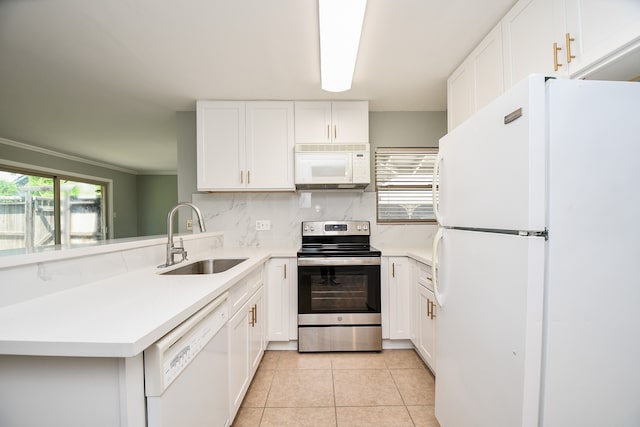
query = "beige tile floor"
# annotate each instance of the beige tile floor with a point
(391, 388)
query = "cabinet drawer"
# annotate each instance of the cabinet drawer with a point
(424, 275)
(254, 280)
(238, 295)
(240, 292)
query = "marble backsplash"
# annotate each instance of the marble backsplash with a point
(236, 214)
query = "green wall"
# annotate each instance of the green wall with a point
(156, 195)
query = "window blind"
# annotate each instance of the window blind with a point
(404, 184)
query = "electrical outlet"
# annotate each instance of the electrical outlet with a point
(263, 225)
(189, 225)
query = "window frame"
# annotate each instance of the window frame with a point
(57, 176)
(417, 186)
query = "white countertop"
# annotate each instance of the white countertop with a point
(422, 254)
(118, 316)
(122, 315)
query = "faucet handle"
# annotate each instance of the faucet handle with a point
(182, 251)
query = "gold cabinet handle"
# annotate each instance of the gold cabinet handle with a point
(329, 132)
(393, 269)
(248, 177)
(568, 40)
(255, 314)
(555, 57)
(433, 310)
(335, 132)
(252, 319)
(241, 177)
(285, 270)
(429, 308)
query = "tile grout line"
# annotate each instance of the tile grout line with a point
(333, 389)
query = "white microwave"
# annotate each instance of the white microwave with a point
(332, 166)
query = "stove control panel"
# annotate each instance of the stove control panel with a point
(335, 228)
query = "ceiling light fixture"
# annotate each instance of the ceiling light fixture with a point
(340, 29)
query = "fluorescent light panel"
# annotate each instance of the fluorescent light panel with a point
(340, 29)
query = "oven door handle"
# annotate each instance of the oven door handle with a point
(337, 261)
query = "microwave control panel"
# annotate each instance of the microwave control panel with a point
(361, 167)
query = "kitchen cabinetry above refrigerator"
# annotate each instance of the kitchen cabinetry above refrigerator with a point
(245, 146)
(477, 81)
(573, 38)
(567, 37)
(339, 121)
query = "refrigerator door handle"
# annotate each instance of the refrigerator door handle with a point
(434, 273)
(435, 188)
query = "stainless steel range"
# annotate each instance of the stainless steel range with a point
(338, 288)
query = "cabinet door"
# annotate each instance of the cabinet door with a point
(400, 285)
(238, 357)
(477, 81)
(350, 121)
(528, 33)
(256, 331)
(599, 28)
(269, 145)
(220, 144)
(461, 94)
(427, 325)
(278, 299)
(313, 122)
(413, 304)
(488, 66)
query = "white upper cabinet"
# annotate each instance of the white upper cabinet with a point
(487, 58)
(461, 102)
(270, 145)
(568, 37)
(477, 81)
(601, 32)
(338, 121)
(528, 37)
(575, 38)
(220, 144)
(245, 146)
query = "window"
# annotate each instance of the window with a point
(39, 210)
(404, 184)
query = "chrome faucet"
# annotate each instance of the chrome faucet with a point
(172, 249)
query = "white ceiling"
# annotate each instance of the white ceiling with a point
(102, 79)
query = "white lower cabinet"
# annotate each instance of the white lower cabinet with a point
(398, 284)
(256, 332)
(425, 314)
(426, 334)
(281, 294)
(246, 347)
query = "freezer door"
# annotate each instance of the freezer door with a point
(489, 329)
(492, 173)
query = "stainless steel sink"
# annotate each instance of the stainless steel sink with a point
(207, 266)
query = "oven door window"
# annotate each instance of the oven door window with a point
(340, 289)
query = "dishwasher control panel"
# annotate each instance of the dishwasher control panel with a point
(168, 357)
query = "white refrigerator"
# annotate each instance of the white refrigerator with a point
(538, 259)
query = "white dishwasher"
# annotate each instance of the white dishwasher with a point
(186, 372)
